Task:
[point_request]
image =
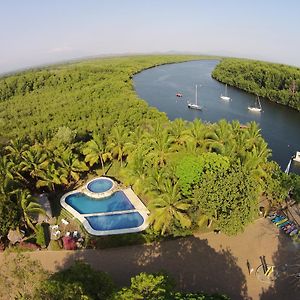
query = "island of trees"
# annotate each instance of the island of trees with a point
(276, 82)
(62, 124)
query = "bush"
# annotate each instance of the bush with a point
(40, 235)
(80, 281)
(54, 245)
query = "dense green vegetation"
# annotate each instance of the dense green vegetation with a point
(278, 83)
(22, 278)
(86, 96)
(188, 173)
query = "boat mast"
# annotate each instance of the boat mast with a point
(287, 170)
(259, 102)
(196, 95)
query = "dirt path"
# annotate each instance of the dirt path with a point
(210, 262)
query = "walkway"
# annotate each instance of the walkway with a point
(210, 262)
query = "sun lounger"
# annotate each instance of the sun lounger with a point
(277, 219)
(281, 221)
(285, 227)
(274, 217)
(284, 224)
(288, 231)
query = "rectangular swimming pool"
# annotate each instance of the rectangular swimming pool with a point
(117, 221)
(84, 204)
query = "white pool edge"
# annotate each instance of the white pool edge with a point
(132, 197)
(96, 195)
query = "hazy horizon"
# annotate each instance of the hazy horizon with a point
(35, 33)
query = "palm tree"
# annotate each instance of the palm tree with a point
(6, 174)
(51, 176)
(135, 172)
(262, 150)
(139, 134)
(160, 143)
(179, 132)
(15, 149)
(71, 166)
(254, 161)
(29, 207)
(253, 134)
(168, 208)
(33, 161)
(196, 134)
(95, 151)
(156, 180)
(220, 137)
(119, 142)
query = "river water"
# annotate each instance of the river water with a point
(280, 125)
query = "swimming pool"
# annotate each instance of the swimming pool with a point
(116, 221)
(84, 204)
(100, 185)
(103, 208)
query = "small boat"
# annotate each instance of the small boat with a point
(195, 105)
(225, 96)
(178, 95)
(257, 107)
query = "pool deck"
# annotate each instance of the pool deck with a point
(135, 200)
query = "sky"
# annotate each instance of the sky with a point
(36, 32)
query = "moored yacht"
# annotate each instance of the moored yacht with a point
(195, 105)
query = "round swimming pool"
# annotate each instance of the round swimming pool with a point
(100, 185)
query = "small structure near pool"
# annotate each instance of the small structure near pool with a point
(104, 208)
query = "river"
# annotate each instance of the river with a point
(158, 86)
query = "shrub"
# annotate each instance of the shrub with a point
(40, 235)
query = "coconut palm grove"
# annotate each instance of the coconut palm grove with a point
(64, 124)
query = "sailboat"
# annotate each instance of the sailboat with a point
(257, 107)
(225, 97)
(195, 105)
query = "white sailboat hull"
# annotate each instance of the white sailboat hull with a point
(226, 98)
(254, 109)
(194, 106)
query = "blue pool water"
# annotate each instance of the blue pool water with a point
(87, 205)
(100, 185)
(118, 221)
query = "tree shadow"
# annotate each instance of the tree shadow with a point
(193, 264)
(286, 285)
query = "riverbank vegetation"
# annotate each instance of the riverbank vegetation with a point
(63, 124)
(276, 82)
